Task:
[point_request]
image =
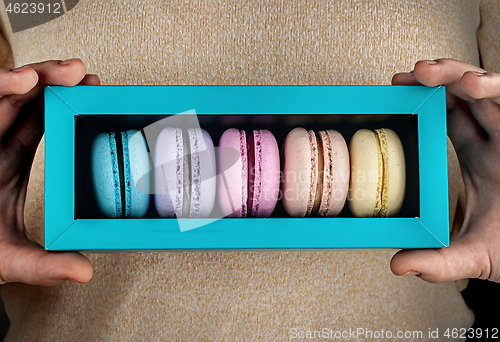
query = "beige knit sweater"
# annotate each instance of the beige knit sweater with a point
(244, 296)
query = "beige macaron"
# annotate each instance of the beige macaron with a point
(378, 173)
(316, 173)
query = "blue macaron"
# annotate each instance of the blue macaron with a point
(120, 174)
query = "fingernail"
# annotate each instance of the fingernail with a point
(66, 62)
(412, 273)
(479, 73)
(72, 280)
(432, 62)
(17, 69)
(408, 74)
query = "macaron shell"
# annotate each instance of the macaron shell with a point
(394, 172)
(336, 173)
(297, 173)
(137, 170)
(169, 172)
(203, 173)
(267, 174)
(232, 178)
(366, 174)
(105, 177)
(341, 172)
(209, 175)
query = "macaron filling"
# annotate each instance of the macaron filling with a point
(377, 211)
(117, 172)
(326, 167)
(184, 174)
(179, 173)
(384, 188)
(244, 174)
(121, 173)
(195, 174)
(255, 171)
(319, 183)
(314, 171)
(126, 175)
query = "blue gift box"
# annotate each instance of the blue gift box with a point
(73, 115)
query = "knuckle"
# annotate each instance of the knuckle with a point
(445, 60)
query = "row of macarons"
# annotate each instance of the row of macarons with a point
(320, 172)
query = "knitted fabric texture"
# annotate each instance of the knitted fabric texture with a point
(244, 296)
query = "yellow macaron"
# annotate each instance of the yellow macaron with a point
(378, 173)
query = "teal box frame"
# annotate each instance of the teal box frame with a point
(64, 232)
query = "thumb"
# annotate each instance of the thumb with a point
(22, 260)
(462, 259)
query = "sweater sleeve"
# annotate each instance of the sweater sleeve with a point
(488, 35)
(6, 55)
(6, 59)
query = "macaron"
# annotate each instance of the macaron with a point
(185, 173)
(118, 161)
(249, 173)
(316, 173)
(378, 177)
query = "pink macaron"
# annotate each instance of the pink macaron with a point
(249, 173)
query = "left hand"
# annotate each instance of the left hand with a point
(473, 106)
(21, 128)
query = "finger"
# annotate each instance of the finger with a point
(481, 85)
(447, 72)
(27, 262)
(32, 129)
(17, 82)
(407, 78)
(69, 73)
(90, 79)
(460, 260)
(404, 78)
(484, 91)
(26, 125)
(463, 129)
